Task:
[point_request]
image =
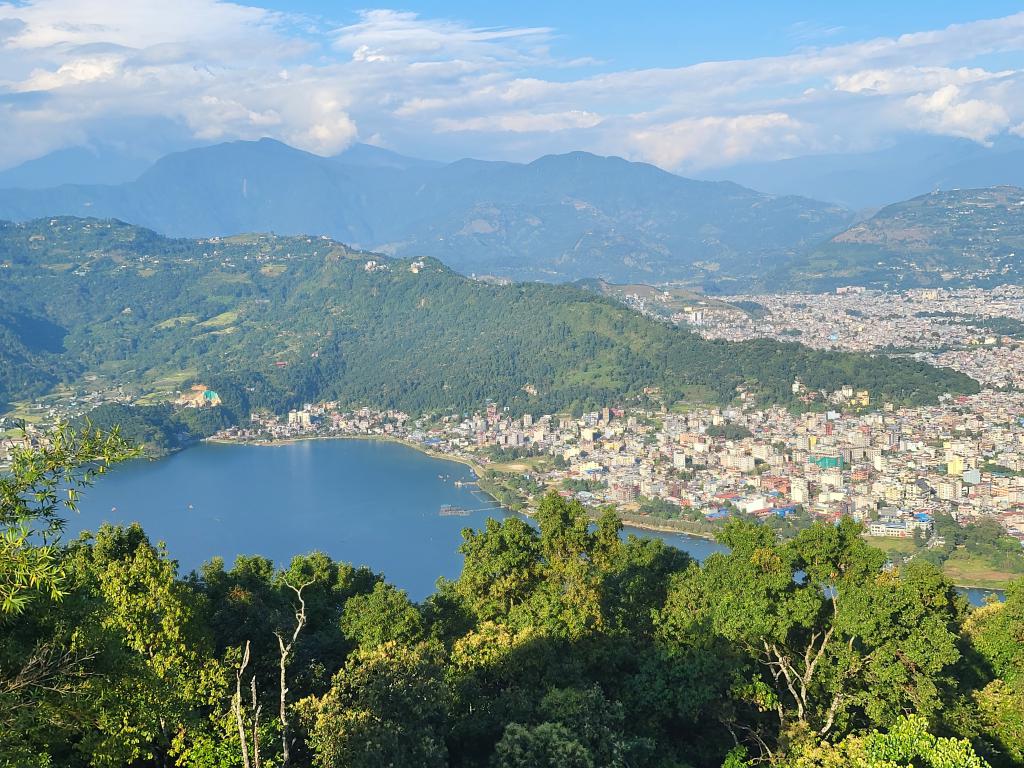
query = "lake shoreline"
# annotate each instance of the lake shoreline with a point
(477, 469)
(474, 466)
(628, 521)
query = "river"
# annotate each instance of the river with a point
(367, 502)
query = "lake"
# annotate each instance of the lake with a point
(367, 502)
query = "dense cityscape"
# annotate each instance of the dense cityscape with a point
(895, 470)
(838, 453)
(963, 457)
(974, 330)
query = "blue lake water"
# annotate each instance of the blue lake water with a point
(361, 501)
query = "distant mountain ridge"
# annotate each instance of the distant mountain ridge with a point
(371, 156)
(958, 237)
(912, 167)
(561, 217)
(75, 165)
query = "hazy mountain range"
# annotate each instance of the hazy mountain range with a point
(559, 217)
(76, 165)
(911, 167)
(959, 237)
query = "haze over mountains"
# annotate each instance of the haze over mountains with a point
(960, 237)
(910, 167)
(559, 217)
(76, 165)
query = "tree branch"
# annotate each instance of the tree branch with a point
(236, 705)
(285, 650)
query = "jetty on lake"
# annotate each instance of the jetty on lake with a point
(450, 510)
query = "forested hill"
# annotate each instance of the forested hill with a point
(558, 218)
(283, 320)
(963, 236)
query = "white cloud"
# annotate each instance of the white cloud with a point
(912, 79)
(136, 24)
(945, 112)
(521, 122)
(71, 70)
(75, 72)
(386, 35)
(209, 65)
(707, 141)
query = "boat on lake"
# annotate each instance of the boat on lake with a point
(450, 510)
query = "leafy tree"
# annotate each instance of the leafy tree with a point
(45, 669)
(501, 568)
(908, 744)
(830, 640)
(568, 600)
(597, 723)
(635, 581)
(385, 707)
(999, 708)
(384, 615)
(42, 674)
(292, 635)
(996, 633)
(662, 509)
(41, 487)
(166, 671)
(548, 745)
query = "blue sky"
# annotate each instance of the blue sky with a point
(688, 86)
(670, 34)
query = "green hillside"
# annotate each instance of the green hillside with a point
(969, 236)
(283, 320)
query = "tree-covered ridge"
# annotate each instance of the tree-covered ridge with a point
(558, 645)
(280, 320)
(956, 237)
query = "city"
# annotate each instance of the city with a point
(893, 469)
(691, 466)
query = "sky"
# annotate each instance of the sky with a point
(688, 86)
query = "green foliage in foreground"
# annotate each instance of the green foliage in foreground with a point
(42, 486)
(277, 321)
(908, 743)
(562, 645)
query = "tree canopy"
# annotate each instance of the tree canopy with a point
(563, 644)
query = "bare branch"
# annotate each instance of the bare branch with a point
(256, 709)
(236, 705)
(285, 650)
(785, 667)
(830, 718)
(49, 669)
